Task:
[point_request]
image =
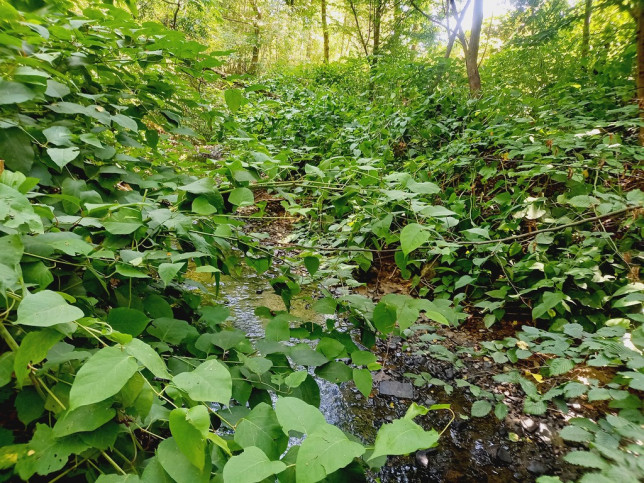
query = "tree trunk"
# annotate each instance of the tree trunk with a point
(254, 62)
(585, 39)
(377, 18)
(640, 68)
(472, 51)
(325, 33)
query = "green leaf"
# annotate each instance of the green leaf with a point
(586, 459)
(325, 306)
(62, 156)
(201, 206)
(175, 463)
(412, 237)
(210, 381)
(16, 149)
(296, 378)
(147, 356)
(102, 376)
(560, 366)
(575, 433)
(324, 451)
(363, 358)
(125, 121)
(481, 409)
(6, 368)
(241, 197)
(128, 321)
(84, 418)
(384, 317)
(549, 301)
(14, 93)
(33, 349)
(45, 309)
(30, 405)
(312, 264)
(261, 428)
(335, 371)
(363, 380)
(188, 438)
(234, 99)
(403, 436)
(172, 331)
(167, 272)
(294, 414)
(250, 467)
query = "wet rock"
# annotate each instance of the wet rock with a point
(529, 425)
(402, 390)
(429, 402)
(449, 373)
(423, 456)
(259, 291)
(504, 456)
(545, 432)
(537, 468)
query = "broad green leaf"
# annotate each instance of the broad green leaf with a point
(241, 197)
(84, 418)
(6, 367)
(312, 264)
(412, 236)
(62, 156)
(481, 409)
(33, 349)
(167, 271)
(45, 309)
(16, 149)
(586, 459)
(549, 301)
(363, 358)
(125, 121)
(234, 99)
(188, 438)
(250, 467)
(296, 378)
(262, 429)
(560, 366)
(210, 381)
(335, 371)
(175, 463)
(363, 380)
(575, 433)
(14, 92)
(403, 436)
(324, 451)
(384, 317)
(172, 331)
(295, 415)
(147, 356)
(102, 376)
(127, 321)
(30, 405)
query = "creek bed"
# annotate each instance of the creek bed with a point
(476, 449)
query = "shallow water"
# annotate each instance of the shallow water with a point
(466, 449)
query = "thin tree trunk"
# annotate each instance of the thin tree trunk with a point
(254, 63)
(360, 36)
(325, 33)
(377, 18)
(585, 39)
(640, 68)
(472, 50)
(174, 16)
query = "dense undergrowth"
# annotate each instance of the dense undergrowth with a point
(518, 205)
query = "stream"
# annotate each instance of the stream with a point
(471, 449)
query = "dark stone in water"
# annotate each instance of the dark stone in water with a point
(537, 468)
(422, 457)
(403, 390)
(504, 455)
